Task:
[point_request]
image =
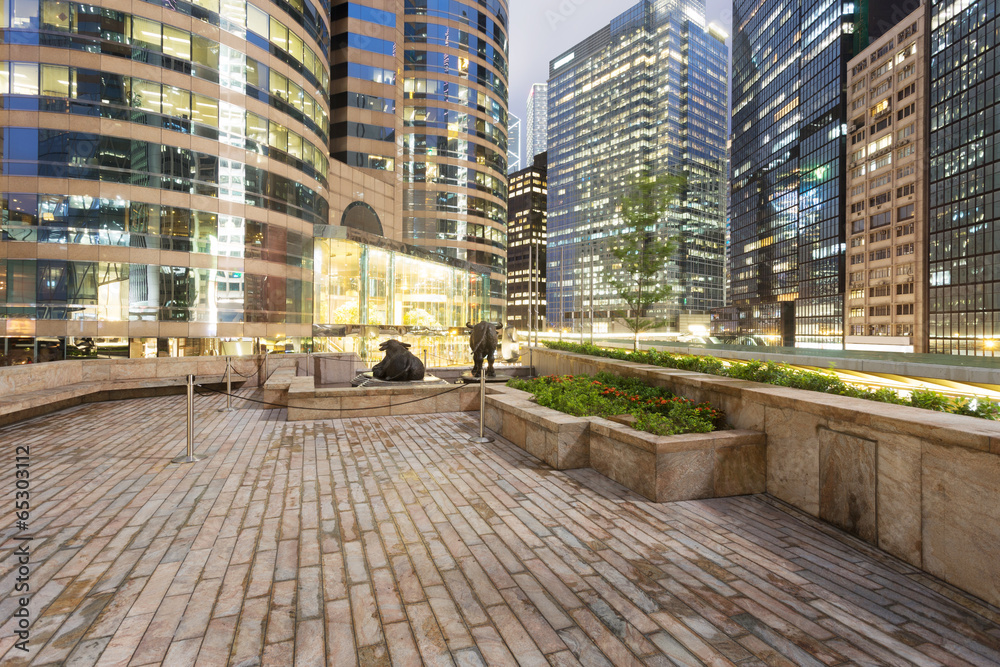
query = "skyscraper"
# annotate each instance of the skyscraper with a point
(789, 164)
(537, 130)
(513, 144)
(454, 134)
(646, 93)
(964, 237)
(526, 250)
(420, 103)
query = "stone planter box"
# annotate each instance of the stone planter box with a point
(661, 468)
(559, 439)
(679, 467)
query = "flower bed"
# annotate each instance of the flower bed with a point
(655, 410)
(784, 376)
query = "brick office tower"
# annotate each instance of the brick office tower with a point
(886, 305)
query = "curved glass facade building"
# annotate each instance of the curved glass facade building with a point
(226, 177)
(454, 134)
(163, 168)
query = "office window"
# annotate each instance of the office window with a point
(881, 290)
(881, 220)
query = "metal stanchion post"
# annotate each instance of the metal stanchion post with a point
(229, 386)
(483, 438)
(190, 456)
(425, 358)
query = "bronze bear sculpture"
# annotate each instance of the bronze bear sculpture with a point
(399, 364)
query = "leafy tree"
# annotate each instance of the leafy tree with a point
(641, 252)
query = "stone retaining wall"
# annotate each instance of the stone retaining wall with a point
(333, 367)
(921, 485)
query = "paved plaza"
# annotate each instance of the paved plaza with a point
(392, 540)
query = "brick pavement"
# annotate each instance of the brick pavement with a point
(392, 540)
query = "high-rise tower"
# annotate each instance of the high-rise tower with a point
(455, 74)
(537, 123)
(646, 93)
(513, 143)
(964, 235)
(789, 163)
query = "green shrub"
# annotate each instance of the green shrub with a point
(929, 400)
(608, 395)
(783, 375)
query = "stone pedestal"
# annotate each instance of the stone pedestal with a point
(366, 379)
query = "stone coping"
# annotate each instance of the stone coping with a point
(944, 428)
(669, 444)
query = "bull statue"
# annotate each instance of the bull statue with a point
(399, 364)
(483, 342)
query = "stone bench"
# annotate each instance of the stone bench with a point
(276, 386)
(20, 406)
(661, 468)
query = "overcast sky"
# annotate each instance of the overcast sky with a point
(542, 29)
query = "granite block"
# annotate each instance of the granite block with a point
(573, 444)
(847, 483)
(899, 498)
(685, 475)
(740, 470)
(961, 519)
(629, 466)
(793, 457)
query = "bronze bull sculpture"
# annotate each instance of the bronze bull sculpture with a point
(399, 364)
(483, 342)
